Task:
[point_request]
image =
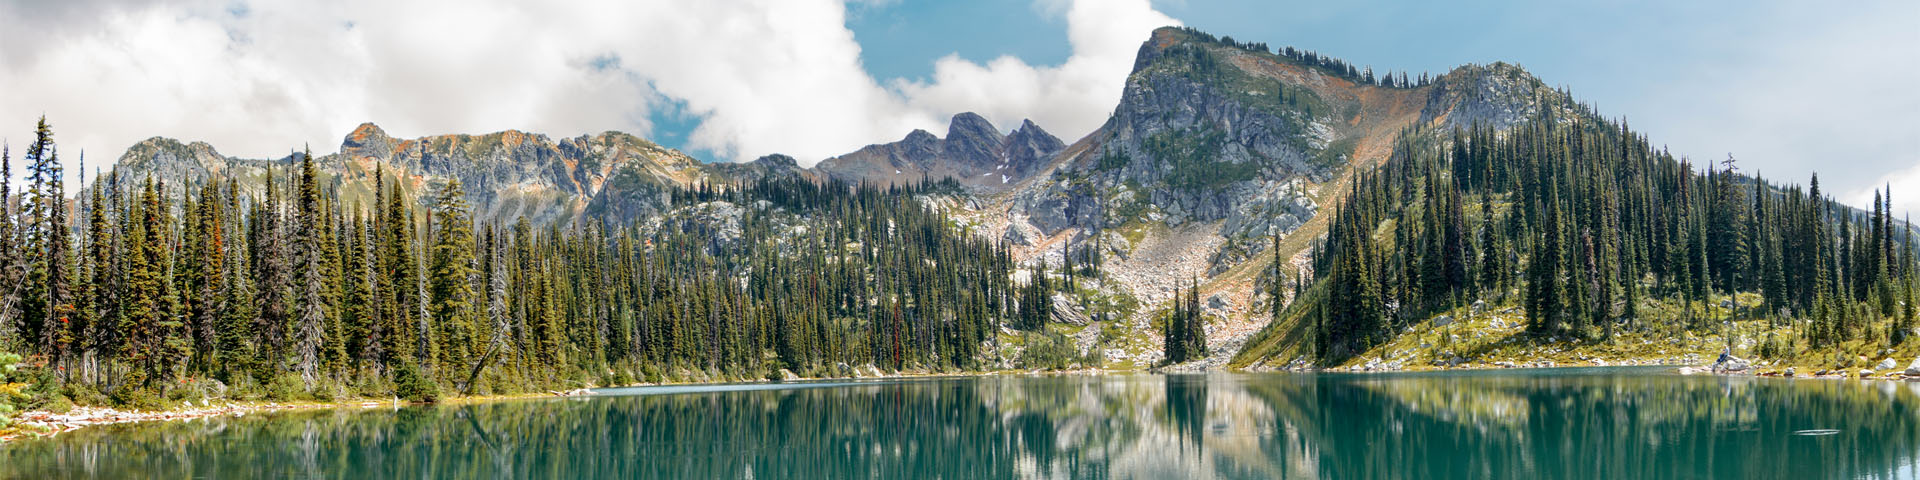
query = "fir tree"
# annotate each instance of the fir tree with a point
(452, 277)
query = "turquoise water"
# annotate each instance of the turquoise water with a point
(1563, 423)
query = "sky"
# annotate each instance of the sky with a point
(1787, 88)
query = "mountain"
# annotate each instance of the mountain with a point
(508, 174)
(1210, 130)
(974, 152)
(1217, 154)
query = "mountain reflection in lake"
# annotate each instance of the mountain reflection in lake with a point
(1594, 423)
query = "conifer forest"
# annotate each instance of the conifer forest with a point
(136, 288)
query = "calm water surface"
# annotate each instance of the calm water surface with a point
(1575, 423)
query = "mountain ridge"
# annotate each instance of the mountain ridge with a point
(1215, 151)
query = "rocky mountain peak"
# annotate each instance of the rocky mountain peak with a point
(1499, 95)
(368, 140)
(170, 160)
(974, 152)
(1157, 43)
(1031, 137)
(973, 141)
(971, 137)
(776, 161)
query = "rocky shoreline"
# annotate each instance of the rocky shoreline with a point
(42, 423)
(1727, 365)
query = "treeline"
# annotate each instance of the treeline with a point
(1584, 220)
(291, 291)
(1337, 67)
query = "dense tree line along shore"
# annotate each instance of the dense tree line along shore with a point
(1583, 221)
(291, 292)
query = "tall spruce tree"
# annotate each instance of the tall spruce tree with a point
(452, 276)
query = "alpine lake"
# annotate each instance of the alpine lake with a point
(1630, 422)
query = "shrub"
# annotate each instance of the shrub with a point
(12, 392)
(286, 387)
(139, 398)
(411, 384)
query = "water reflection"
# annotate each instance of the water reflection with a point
(1610, 423)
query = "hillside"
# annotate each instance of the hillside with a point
(1217, 152)
(1219, 155)
(1565, 240)
(1213, 171)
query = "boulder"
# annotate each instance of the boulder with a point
(1913, 369)
(1217, 301)
(1730, 363)
(1864, 373)
(1015, 236)
(1789, 372)
(1886, 364)
(1067, 312)
(1442, 320)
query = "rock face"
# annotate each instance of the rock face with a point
(505, 174)
(1499, 96)
(1210, 131)
(1194, 146)
(973, 153)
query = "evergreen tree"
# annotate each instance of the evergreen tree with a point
(273, 284)
(48, 303)
(310, 244)
(452, 276)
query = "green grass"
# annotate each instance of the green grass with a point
(1661, 336)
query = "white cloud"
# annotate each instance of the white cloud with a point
(763, 76)
(1070, 99)
(1904, 185)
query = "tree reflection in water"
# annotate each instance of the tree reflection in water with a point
(1603, 423)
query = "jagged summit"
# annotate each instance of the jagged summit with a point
(506, 174)
(974, 153)
(367, 138)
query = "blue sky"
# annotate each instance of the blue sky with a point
(1786, 87)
